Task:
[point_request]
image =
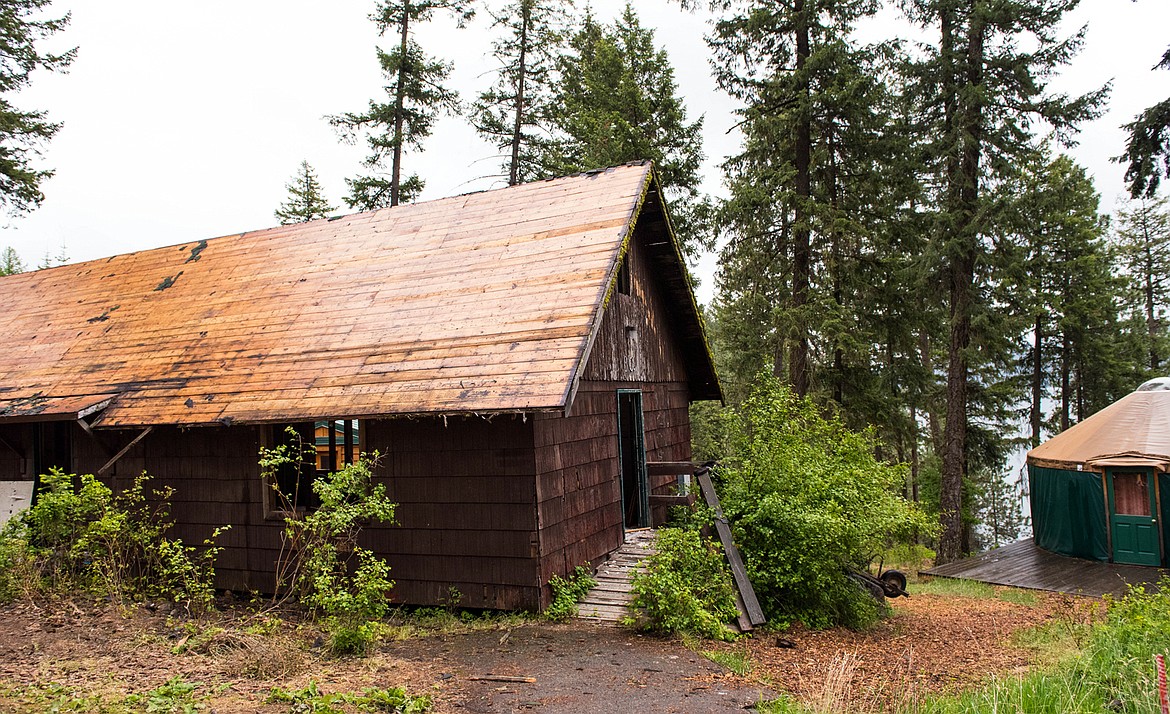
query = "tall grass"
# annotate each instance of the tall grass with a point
(1085, 669)
(1113, 672)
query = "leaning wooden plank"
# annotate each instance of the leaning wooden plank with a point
(750, 603)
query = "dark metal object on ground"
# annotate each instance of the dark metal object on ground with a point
(889, 583)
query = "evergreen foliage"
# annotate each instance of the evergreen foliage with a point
(306, 202)
(978, 93)
(1064, 272)
(1143, 242)
(617, 101)
(10, 262)
(23, 28)
(515, 115)
(1148, 145)
(415, 97)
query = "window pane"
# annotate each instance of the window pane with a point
(1131, 494)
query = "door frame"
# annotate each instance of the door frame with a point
(1155, 510)
(642, 475)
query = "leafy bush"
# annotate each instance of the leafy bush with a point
(685, 587)
(321, 560)
(807, 499)
(79, 535)
(567, 592)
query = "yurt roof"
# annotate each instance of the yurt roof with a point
(1133, 431)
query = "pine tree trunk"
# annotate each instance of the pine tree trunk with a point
(1065, 385)
(521, 76)
(1037, 380)
(1151, 316)
(399, 104)
(969, 123)
(801, 256)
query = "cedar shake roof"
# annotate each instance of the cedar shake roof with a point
(480, 303)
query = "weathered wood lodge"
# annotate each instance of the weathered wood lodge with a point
(516, 356)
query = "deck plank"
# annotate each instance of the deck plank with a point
(1025, 565)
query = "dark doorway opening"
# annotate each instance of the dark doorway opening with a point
(632, 452)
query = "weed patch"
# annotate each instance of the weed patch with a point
(733, 661)
(312, 699)
(952, 587)
(567, 592)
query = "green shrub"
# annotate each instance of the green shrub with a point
(807, 499)
(567, 592)
(80, 535)
(321, 560)
(685, 586)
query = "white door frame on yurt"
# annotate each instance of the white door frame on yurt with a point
(1135, 534)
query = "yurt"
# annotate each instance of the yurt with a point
(1101, 489)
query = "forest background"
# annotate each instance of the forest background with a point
(876, 197)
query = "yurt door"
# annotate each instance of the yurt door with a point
(1135, 527)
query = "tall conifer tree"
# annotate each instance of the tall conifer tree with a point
(982, 90)
(10, 262)
(1143, 239)
(813, 194)
(516, 113)
(416, 96)
(1149, 145)
(617, 101)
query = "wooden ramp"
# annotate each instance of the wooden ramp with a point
(1023, 565)
(609, 602)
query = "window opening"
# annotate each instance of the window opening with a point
(338, 442)
(290, 485)
(623, 276)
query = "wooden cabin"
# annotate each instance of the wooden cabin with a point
(516, 357)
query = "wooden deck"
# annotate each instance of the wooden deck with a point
(609, 602)
(1023, 565)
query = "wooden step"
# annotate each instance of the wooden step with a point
(608, 602)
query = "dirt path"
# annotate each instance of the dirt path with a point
(931, 644)
(578, 668)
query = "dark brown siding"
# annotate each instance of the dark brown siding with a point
(13, 466)
(578, 483)
(466, 510)
(216, 482)
(465, 490)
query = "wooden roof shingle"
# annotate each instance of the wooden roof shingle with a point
(477, 303)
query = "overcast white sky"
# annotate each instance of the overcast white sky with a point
(185, 120)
